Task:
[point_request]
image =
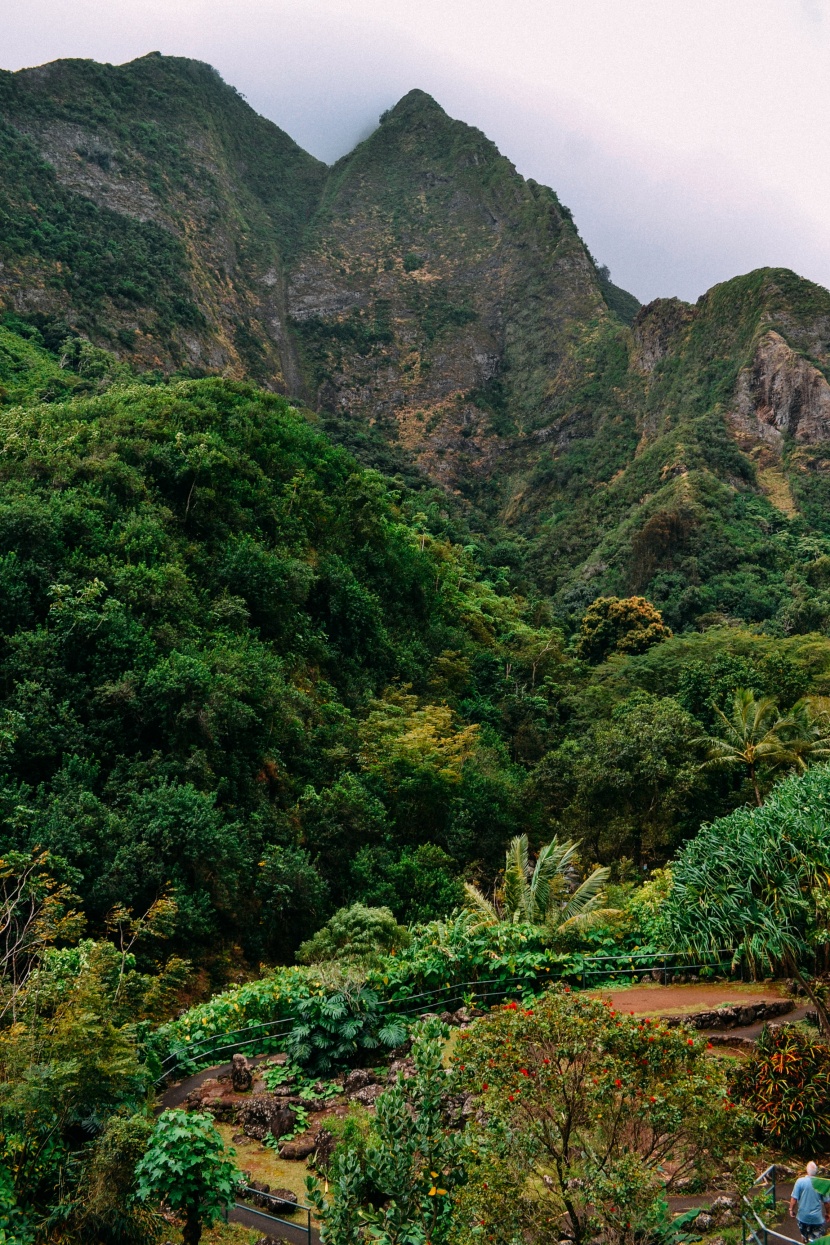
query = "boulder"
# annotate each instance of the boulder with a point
(299, 1149)
(368, 1095)
(358, 1078)
(724, 1212)
(241, 1077)
(704, 1222)
(265, 1115)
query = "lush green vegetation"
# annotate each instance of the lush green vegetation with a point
(270, 717)
(227, 657)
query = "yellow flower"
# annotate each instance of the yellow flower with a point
(433, 1191)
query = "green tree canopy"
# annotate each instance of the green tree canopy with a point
(619, 625)
(187, 1166)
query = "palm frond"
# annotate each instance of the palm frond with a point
(515, 876)
(587, 897)
(479, 905)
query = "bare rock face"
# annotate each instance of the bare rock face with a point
(241, 1077)
(656, 329)
(781, 393)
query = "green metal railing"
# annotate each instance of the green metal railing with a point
(302, 1231)
(267, 1036)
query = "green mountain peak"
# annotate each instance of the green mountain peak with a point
(415, 103)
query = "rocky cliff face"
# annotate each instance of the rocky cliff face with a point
(781, 394)
(439, 312)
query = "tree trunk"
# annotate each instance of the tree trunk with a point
(192, 1233)
(754, 778)
(821, 1010)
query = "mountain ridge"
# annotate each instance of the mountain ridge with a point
(441, 316)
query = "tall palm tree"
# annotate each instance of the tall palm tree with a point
(808, 734)
(754, 734)
(540, 895)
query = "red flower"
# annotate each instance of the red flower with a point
(691, 1042)
(618, 1084)
(484, 1088)
(652, 1099)
(511, 1097)
(524, 1071)
(545, 1061)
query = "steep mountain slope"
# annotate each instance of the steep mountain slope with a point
(445, 320)
(732, 422)
(149, 207)
(445, 298)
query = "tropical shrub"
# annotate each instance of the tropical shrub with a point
(786, 1086)
(401, 1183)
(333, 1030)
(756, 881)
(585, 1110)
(355, 933)
(187, 1167)
(541, 894)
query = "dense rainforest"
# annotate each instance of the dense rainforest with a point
(243, 669)
(389, 605)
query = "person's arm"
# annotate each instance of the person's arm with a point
(793, 1207)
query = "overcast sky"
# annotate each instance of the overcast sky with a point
(691, 138)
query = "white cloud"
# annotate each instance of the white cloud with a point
(691, 140)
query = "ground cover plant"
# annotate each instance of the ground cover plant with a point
(786, 1086)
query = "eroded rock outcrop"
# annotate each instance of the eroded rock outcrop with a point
(780, 394)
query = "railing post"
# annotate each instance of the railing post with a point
(308, 1213)
(774, 1198)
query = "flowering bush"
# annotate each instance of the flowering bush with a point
(586, 1109)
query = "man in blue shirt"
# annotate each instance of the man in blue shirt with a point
(809, 1206)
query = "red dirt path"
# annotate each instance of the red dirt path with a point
(657, 1000)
